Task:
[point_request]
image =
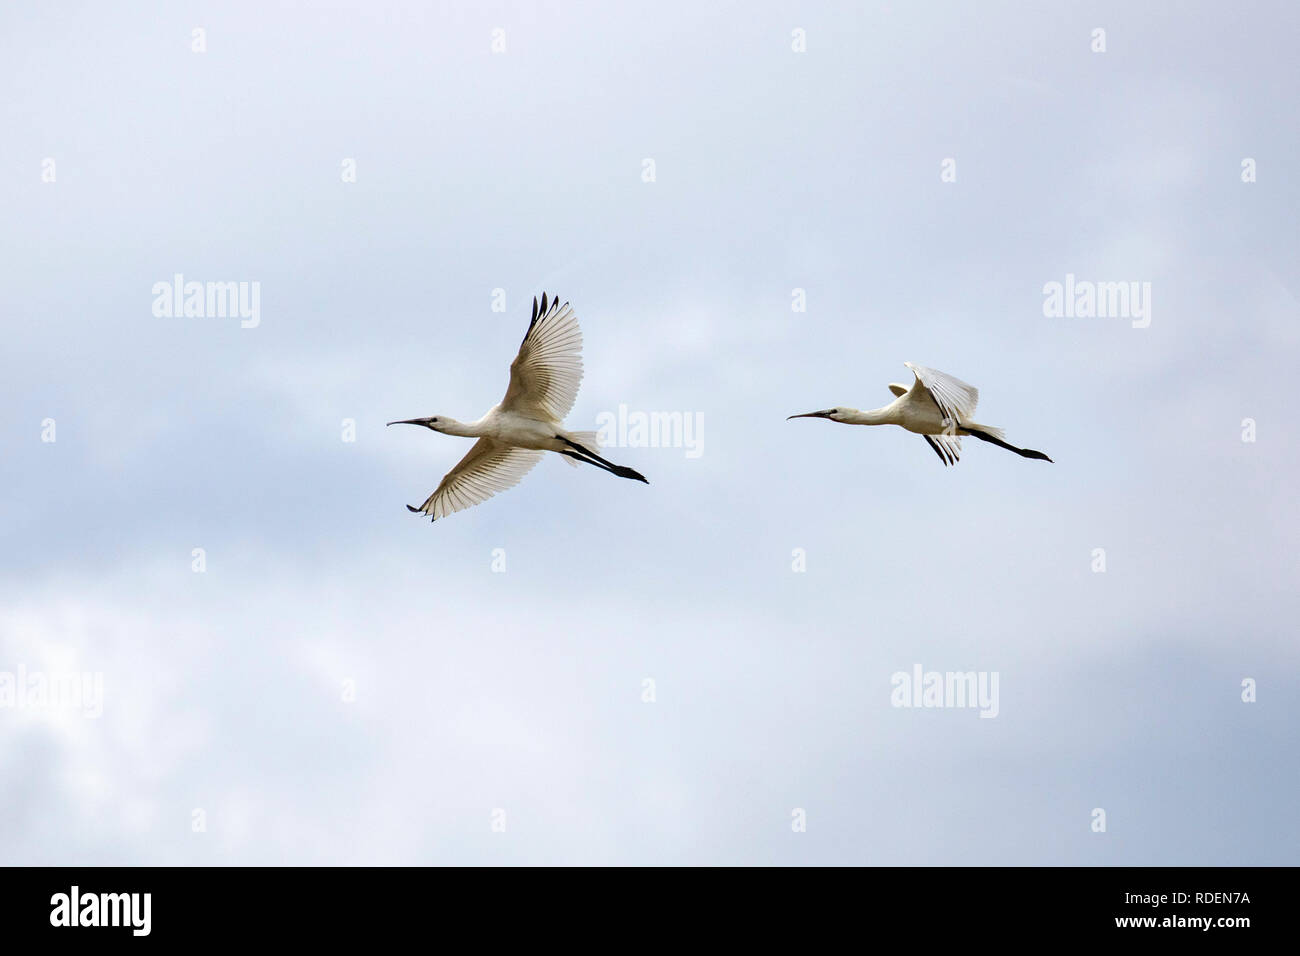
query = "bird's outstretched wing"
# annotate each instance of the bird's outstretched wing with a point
(490, 467)
(947, 447)
(955, 398)
(545, 375)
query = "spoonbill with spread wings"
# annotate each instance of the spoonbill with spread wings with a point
(512, 436)
(938, 407)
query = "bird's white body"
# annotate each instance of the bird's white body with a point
(938, 406)
(913, 410)
(512, 436)
(509, 428)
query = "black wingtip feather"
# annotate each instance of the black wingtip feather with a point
(549, 304)
(938, 450)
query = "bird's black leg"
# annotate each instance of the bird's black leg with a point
(586, 454)
(581, 454)
(585, 451)
(994, 440)
(586, 461)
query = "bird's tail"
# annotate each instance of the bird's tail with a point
(587, 440)
(995, 436)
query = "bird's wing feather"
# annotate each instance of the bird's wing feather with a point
(947, 447)
(490, 467)
(898, 390)
(545, 375)
(955, 398)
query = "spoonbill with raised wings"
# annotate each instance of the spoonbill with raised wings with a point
(544, 380)
(938, 407)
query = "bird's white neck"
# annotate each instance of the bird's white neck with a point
(872, 416)
(449, 426)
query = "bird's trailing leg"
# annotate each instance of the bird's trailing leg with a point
(618, 470)
(994, 440)
(578, 453)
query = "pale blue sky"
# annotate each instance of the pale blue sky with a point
(522, 691)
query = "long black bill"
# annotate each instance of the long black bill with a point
(412, 421)
(822, 414)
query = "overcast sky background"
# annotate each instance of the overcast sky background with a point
(522, 690)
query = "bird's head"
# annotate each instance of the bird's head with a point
(834, 414)
(436, 423)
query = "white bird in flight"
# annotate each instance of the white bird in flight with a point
(544, 380)
(938, 407)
